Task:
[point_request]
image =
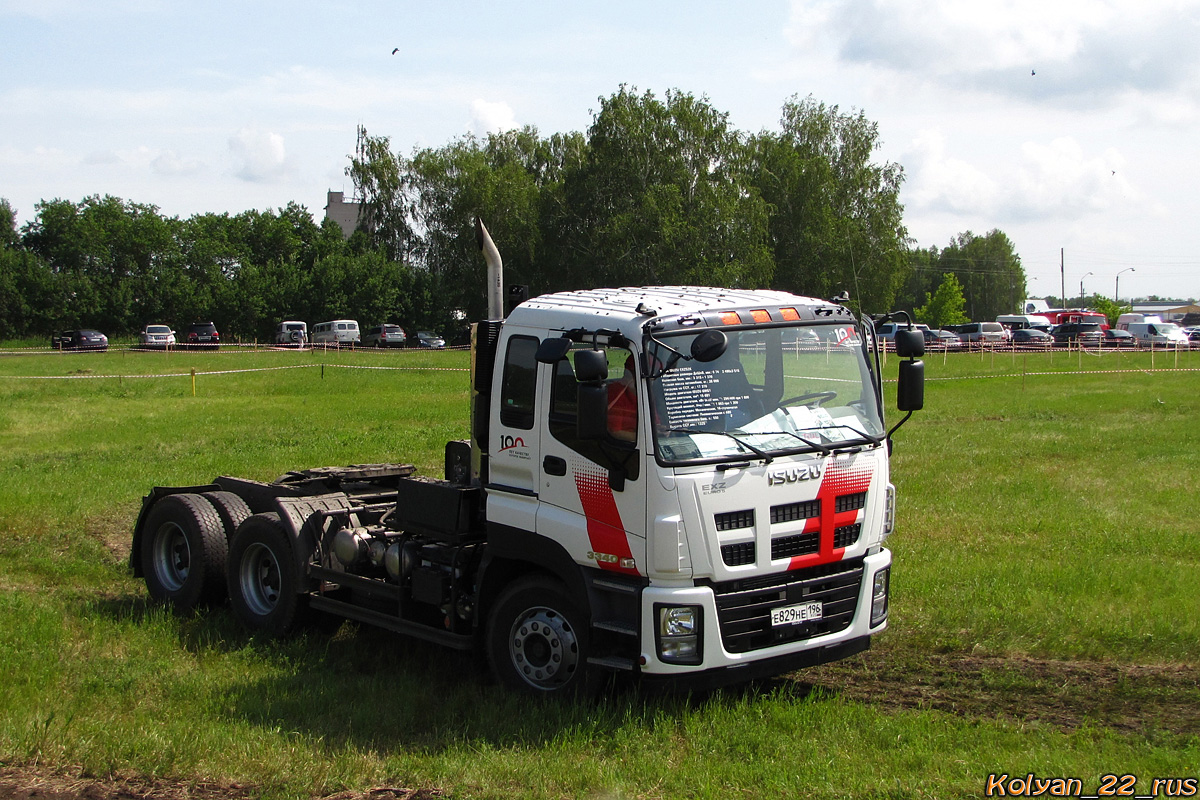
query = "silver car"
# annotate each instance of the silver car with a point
(156, 337)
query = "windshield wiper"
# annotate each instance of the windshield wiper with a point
(824, 448)
(872, 439)
(767, 459)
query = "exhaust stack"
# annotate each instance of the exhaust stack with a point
(495, 273)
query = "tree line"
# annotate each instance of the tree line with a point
(657, 191)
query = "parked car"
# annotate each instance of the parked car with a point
(887, 330)
(338, 332)
(430, 340)
(385, 336)
(1031, 337)
(156, 337)
(1193, 335)
(202, 336)
(941, 340)
(291, 333)
(1115, 337)
(84, 339)
(982, 332)
(1084, 334)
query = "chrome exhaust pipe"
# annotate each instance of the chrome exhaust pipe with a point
(495, 274)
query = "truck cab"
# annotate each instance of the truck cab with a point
(719, 455)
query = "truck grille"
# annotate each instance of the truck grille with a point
(735, 520)
(850, 502)
(846, 535)
(744, 606)
(794, 511)
(738, 554)
(801, 544)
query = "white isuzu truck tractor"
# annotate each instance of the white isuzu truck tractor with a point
(686, 484)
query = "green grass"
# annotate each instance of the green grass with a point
(1044, 519)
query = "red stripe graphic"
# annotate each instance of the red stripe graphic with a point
(606, 533)
(839, 479)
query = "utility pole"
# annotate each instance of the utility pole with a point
(1117, 285)
(1062, 273)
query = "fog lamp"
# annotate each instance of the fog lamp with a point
(678, 634)
(879, 596)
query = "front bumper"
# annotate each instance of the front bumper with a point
(728, 654)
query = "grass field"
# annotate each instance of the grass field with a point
(1044, 612)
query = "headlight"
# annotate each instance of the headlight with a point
(678, 634)
(879, 596)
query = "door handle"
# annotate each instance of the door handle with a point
(553, 465)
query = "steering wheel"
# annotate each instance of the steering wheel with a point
(819, 397)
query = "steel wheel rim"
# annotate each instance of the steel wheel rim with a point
(260, 579)
(543, 648)
(172, 556)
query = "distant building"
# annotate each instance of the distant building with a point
(345, 214)
(1169, 311)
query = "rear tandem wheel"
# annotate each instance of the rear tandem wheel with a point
(183, 551)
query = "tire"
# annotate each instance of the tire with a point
(232, 510)
(264, 589)
(537, 640)
(183, 552)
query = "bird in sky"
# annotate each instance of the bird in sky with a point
(395, 50)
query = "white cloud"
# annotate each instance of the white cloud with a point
(260, 155)
(1057, 180)
(1086, 49)
(168, 162)
(489, 117)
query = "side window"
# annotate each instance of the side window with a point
(622, 397)
(519, 383)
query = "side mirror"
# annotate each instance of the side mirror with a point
(910, 388)
(910, 343)
(590, 366)
(709, 346)
(551, 351)
(591, 421)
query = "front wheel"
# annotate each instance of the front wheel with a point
(264, 587)
(537, 640)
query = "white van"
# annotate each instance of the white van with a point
(1157, 334)
(339, 333)
(291, 333)
(1020, 322)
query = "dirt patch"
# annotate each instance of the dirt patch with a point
(1134, 699)
(17, 783)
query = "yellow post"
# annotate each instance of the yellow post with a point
(193, 381)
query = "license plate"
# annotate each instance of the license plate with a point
(795, 615)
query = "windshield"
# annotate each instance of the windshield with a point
(774, 391)
(158, 329)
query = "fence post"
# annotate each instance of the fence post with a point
(193, 381)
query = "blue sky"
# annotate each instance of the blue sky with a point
(1071, 126)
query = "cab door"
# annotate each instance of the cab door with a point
(514, 446)
(592, 491)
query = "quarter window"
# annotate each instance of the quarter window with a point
(519, 382)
